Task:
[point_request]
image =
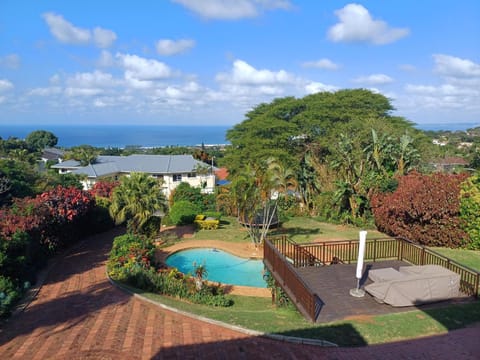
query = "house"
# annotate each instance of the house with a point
(172, 169)
(449, 164)
(52, 154)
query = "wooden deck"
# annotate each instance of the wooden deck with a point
(320, 289)
(333, 283)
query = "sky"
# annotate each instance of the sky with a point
(208, 62)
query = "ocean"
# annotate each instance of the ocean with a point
(121, 136)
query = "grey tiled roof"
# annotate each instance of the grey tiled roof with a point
(152, 164)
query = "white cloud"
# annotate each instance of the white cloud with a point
(452, 66)
(103, 38)
(357, 25)
(326, 64)
(460, 87)
(232, 9)
(46, 91)
(64, 31)
(54, 79)
(74, 92)
(11, 61)
(142, 69)
(67, 33)
(91, 80)
(245, 74)
(315, 87)
(169, 47)
(5, 85)
(374, 79)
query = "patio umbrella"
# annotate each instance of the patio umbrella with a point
(357, 292)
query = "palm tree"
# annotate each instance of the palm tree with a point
(86, 154)
(137, 198)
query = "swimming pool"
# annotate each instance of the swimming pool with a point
(221, 266)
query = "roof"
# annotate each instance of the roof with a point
(52, 153)
(451, 160)
(152, 164)
(221, 173)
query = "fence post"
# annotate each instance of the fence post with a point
(400, 249)
(349, 250)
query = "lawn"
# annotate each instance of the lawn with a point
(470, 258)
(259, 314)
(298, 229)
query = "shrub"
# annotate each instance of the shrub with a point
(470, 210)
(9, 294)
(129, 252)
(423, 208)
(130, 262)
(183, 212)
(185, 192)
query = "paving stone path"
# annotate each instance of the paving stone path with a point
(78, 314)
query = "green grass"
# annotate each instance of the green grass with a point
(299, 229)
(258, 314)
(470, 258)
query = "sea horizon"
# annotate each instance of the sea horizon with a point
(148, 136)
(122, 136)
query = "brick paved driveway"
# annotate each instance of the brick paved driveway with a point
(79, 315)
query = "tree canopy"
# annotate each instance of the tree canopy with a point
(346, 142)
(40, 139)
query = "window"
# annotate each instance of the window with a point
(177, 177)
(192, 175)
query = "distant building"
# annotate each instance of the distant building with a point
(172, 169)
(52, 154)
(221, 176)
(449, 164)
(439, 142)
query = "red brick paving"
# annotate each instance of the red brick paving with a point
(79, 315)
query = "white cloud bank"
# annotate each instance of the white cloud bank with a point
(67, 33)
(357, 25)
(232, 9)
(460, 87)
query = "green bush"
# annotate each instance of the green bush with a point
(470, 210)
(151, 227)
(130, 262)
(9, 294)
(183, 212)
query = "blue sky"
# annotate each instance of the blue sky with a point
(179, 62)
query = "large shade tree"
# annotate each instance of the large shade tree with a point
(40, 139)
(349, 138)
(136, 199)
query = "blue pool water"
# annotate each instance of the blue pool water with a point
(221, 266)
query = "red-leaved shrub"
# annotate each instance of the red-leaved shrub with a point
(423, 208)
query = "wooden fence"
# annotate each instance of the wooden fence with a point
(281, 256)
